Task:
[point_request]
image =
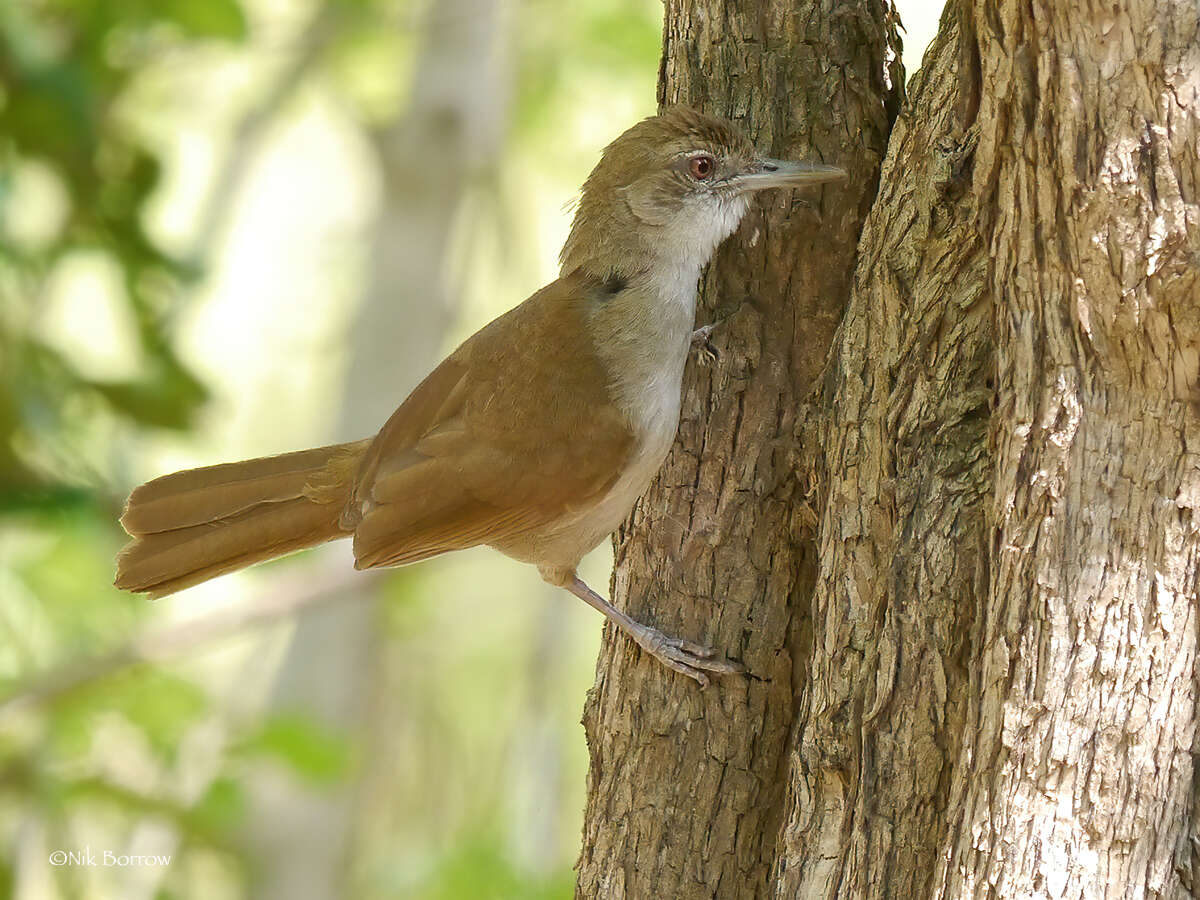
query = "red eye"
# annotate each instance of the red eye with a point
(701, 167)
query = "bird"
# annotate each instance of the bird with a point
(536, 436)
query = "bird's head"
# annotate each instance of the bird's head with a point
(672, 187)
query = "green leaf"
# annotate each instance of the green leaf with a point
(479, 867)
(167, 403)
(311, 751)
(220, 809)
(162, 705)
(207, 18)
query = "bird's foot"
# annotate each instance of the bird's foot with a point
(702, 341)
(685, 657)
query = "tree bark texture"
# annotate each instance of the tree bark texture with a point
(984, 668)
(685, 786)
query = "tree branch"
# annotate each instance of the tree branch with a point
(165, 642)
(315, 37)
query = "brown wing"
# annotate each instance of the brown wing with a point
(515, 428)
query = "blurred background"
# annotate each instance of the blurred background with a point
(231, 228)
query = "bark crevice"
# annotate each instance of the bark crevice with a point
(959, 550)
(720, 549)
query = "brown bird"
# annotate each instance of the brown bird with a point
(538, 434)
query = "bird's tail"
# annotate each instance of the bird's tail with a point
(195, 525)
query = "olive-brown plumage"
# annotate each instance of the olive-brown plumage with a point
(537, 435)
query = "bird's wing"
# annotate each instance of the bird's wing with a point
(514, 429)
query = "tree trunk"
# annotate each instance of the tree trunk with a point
(685, 789)
(984, 667)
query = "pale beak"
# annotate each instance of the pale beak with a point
(778, 173)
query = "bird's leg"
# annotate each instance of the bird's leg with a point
(693, 660)
(702, 341)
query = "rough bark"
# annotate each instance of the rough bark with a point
(987, 659)
(685, 790)
(1081, 719)
(903, 537)
(1002, 702)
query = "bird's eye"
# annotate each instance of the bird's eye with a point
(701, 167)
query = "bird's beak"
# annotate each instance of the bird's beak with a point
(776, 173)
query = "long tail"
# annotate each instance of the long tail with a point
(195, 525)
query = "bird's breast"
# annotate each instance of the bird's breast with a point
(648, 391)
(641, 335)
(653, 410)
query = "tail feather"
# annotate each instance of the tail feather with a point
(195, 525)
(201, 505)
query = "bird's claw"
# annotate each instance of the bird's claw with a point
(686, 657)
(702, 341)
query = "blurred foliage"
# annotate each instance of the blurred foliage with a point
(480, 868)
(308, 750)
(608, 40)
(76, 178)
(79, 175)
(63, 69)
